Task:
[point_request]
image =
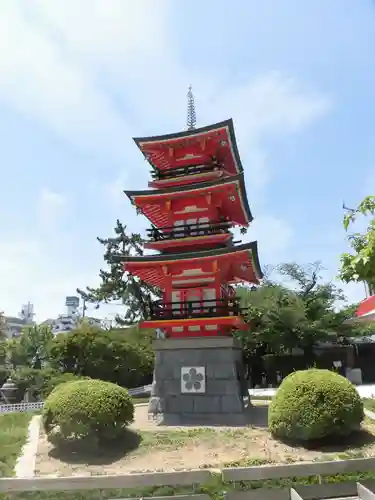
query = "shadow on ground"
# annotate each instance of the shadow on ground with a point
(100, 454)
(350, 445)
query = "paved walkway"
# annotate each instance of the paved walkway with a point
(365, 391)
(25, 466)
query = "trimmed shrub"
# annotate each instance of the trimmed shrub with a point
(314, 404)
(86, 410)
(59, 378)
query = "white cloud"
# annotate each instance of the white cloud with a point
(60, 63)
(274, 236)
(28, 271)
(38, 78)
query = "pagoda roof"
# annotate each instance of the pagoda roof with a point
(152, 202)
(193, 147)
(239, 263)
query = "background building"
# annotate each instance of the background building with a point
(15, 324)
(69, 320)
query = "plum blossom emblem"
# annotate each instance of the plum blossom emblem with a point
(193, 379)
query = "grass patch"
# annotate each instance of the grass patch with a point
(13, 434)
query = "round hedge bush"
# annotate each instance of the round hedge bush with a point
(314, 404)
(86, 410)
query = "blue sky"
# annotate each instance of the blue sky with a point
(79, 79)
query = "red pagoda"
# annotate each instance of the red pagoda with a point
(198, 194)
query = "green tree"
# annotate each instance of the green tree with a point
(298, 315)
(360, 264)
(103, 354)
(117, 285)
(3, 326)
(32, 347)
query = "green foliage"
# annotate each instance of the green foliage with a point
(3, 352)
(314, 404)
(360, 265)
(90, 410)
(39, 383)
(33, 380)
(51, 383)
(105, 355)
(31, 348)
(117, 285)
(3, 326)
(298, 313)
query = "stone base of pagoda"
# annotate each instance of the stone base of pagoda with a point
(198, 381)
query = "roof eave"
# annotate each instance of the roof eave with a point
(202, 185)
(188, 133)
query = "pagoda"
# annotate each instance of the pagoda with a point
(197, 196)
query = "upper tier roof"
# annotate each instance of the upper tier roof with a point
(228, 193)
(196, 146)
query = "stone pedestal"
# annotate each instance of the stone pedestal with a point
(198, 381)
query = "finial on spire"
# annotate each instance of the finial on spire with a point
(191, 115)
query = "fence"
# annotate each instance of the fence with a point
(226, 480)
(21, 407)
(38, 405)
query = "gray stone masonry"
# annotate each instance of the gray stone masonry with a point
(222, 401)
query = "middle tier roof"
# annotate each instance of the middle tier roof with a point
(227, 196)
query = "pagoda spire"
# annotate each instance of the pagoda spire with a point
(191, 115)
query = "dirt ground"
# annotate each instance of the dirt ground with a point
(152, 448)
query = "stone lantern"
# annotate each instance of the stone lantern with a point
(9, 391)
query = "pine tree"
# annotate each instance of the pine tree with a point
(116, 285)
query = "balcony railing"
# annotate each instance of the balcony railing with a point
(195, 309)
(199, 229)
(183, 171)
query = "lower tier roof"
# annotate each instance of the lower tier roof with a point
(234, 264)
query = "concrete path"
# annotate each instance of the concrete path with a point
(25, 466)
(365, 391)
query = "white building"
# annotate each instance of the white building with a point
(15, 324)
(69, 320)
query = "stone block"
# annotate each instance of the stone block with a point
(232, 404)
(220, 387)
(172, 387)
(225, 371)
(180, 404)
(159, 357)
(221, 359)
(206, 404)
(163, 371)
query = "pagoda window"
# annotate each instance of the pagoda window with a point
(209, 299)
(204, 223)
(177, 329)
(195, 227)
(177, 303)
(176, 232)
(193, 302)
(194, 328)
